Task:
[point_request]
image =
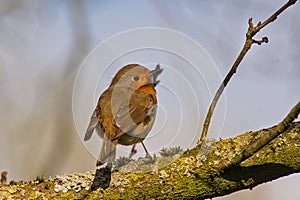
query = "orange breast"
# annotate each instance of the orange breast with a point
(149, 89)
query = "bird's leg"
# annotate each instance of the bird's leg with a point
(133, 151)
(147, 153)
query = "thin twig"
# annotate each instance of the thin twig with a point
(274, 16)
(252, 30)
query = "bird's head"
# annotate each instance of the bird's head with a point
(137, 77)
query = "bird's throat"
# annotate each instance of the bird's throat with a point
(149, 89)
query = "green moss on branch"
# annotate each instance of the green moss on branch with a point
(191, 175)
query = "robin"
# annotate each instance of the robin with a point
(126, 111)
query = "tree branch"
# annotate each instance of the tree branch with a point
(252, 30)
(259, 140)
(193, 175)
(274, 16)
(258, 143)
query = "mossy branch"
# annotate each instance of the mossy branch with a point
(191, 176)
(252, 30)
(258, 143)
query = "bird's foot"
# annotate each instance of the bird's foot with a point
(133, 151)
(148, 156)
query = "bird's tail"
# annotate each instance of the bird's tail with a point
(107, 152)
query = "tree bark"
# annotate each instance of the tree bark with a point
(202, 172)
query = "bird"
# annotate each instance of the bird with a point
(126, 111)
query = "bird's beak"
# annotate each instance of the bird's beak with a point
(154, 73)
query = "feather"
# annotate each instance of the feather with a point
(94, 124)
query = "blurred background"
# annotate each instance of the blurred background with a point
(43, 43)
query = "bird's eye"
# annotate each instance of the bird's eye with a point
(136, 78)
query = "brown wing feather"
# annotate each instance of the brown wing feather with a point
(129, 116)
(93, 125)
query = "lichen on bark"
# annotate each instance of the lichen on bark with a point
(192, 174)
